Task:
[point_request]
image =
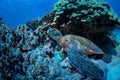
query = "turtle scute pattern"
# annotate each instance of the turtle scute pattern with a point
(85, 43)
(84, 65)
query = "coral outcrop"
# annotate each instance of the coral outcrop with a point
(29, 54)
(84, 16)
(10, 56)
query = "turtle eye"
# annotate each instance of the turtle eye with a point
(54, 31)
(57, 35)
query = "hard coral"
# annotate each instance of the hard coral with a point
(30, 38)
(10, 58)
(89, 16)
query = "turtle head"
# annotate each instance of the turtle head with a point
(54, 33)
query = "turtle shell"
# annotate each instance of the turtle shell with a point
(85, 43)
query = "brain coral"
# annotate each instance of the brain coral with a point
(86, 15)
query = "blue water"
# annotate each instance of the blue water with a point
(115, 4)
(15, 12)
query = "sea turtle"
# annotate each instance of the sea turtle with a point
(77, 48)
(79, 42)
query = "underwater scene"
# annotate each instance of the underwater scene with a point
(59, 40)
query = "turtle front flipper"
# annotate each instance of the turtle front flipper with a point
(84, 65)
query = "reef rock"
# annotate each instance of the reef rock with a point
(84, 16)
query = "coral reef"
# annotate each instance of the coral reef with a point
(10, 56)
(28, 53)
(84, 16)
